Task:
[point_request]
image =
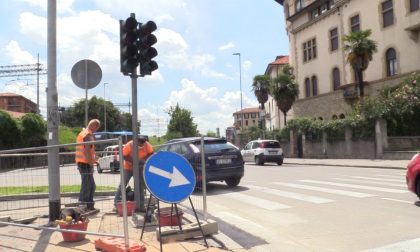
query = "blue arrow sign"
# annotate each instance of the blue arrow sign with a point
(169, 176)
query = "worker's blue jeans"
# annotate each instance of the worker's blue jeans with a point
(127, 176)
(88, 187)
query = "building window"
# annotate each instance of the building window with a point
(246, 116)
(307, 87)
(334, 39)
(387, 13)
(322, 9)
(253, 115)
(355, 23)
(414, 5)
(299, 4)
(314, 86)
(309, 50)
(391, 62)
(336, 78)
(246, 123)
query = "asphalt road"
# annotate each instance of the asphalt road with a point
(317, 208)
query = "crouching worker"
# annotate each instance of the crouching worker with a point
(145, 150)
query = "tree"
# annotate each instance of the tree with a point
(261, 86)
(34, 130)
(359, 49)
(181, 123)
(284, 90)
(9, 131)
(75, 115)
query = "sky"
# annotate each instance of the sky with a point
(196, 42)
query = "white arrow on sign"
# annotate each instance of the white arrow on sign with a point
(177, 179)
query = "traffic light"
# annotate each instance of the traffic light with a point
(260, 124)
(147, 52)
(129, 52)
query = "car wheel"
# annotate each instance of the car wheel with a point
(280, 162)
(232, 182)
(98, 167)
(258, 160)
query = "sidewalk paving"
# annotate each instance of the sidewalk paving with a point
(373, 163)
(14, 238)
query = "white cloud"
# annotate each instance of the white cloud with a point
(227, 46)
(176, 54)
(210, 111)
(17, 55)
(207, 72)
(62, 5)
(247, 65)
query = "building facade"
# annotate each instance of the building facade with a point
(17, 103)
(326, 81)
(251, 116)
(274, 118)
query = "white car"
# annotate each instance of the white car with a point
(261, 151)
(109, 160)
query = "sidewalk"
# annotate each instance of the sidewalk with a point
(366, 163)
(14, 238)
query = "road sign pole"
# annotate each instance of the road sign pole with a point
(86, 93)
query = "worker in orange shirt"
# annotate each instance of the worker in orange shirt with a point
(85, 159)
(145, 150)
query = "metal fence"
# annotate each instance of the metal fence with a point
(24, 188)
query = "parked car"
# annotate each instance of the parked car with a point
(109, 160)
(262, 151)
(223, 160)
(413, 175)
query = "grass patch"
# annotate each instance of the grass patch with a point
(16, 190)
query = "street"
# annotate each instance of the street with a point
(316, 208)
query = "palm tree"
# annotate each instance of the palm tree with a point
(261, 87)
(284, 90)
(360, 50)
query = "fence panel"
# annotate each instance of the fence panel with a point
(24, 189)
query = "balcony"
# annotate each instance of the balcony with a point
(412, 25)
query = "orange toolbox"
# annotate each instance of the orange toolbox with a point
(114, 244)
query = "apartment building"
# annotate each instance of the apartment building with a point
(326, 81)
(17, 103)
(251, 116)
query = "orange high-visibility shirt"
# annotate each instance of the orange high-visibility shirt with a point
(143, 151)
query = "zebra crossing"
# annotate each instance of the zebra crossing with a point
(268, 210)
(310, 190)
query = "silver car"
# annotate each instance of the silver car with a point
(109, 160)
(261, 151)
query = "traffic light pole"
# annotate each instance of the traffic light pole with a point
(137, 173)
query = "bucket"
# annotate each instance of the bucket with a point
(131, 206)
(166, 219)
(74, 237)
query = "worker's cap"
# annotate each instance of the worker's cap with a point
(142, 139)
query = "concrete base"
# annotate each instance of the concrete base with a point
(188, 231)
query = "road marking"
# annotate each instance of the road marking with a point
(292, 195)
(326, 190)
(380, 179)
(397, 200)
(406, 246)
(393, 176)
(234, 218)
(403, 185)
(257, 201)
(373, 188)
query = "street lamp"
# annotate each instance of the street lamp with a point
(105, 107)
(240, 88)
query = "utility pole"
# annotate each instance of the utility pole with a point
(25, 70)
